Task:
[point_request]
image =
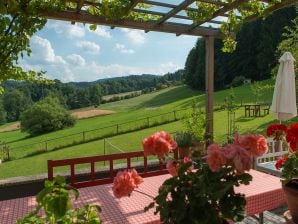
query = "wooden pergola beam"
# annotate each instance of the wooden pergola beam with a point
(148, 26)
(134, 4)
(283, 4)
(219, 12)
(214, 2)
(174, 11)
(79, 5)
(174, 16)
(209, 74)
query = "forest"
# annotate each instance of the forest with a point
(255, 57)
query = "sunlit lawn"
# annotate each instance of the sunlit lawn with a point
(170, 99)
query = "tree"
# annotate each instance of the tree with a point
(95, 94)
(291, 42)
(19, 20)
(2, 113)
(14, 103)
(254, 57)
(45, 116)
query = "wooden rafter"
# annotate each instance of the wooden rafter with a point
(174, 11)
(134, 3)
(219, 12)
(79, 5)
(148, 26)
(163, 25)
(283, 4)
(174, 16)
(214, 2)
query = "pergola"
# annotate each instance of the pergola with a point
(172, 18)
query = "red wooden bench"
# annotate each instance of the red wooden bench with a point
(92, 180)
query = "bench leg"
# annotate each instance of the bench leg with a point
(261, 218)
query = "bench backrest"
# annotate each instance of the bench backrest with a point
(273, 154)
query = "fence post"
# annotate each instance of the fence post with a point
(117, 129)
(84, 136)
(104, 150)
(46, 144)
(175, 115)
(8, 153)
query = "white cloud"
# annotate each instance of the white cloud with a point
(94, 71)
(76, 59)
(75, 68)
(101, 32)
(136, 36)
(42, 51)
(43, 58)
(88, 46)
(122, 48)
(66, 29)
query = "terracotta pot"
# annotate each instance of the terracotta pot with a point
(198, 149)
(291, 192)
(278, 146)
(183, 152)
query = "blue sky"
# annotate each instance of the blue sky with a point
(75, 53)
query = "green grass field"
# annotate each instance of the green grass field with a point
(166, 100)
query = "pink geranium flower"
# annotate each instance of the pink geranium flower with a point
(172, 167)
(159, 144)
(215, 157)
(256, 145)
(240, 157)
(125, 182)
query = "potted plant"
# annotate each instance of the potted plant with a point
(184, 143)
(203, 195)
(277, 131)
(195, 124)
(289, 171)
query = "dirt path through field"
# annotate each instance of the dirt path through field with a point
(78, 114)
(91, 113)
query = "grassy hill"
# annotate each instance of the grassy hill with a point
(169, 99)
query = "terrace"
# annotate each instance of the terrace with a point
(169, 18)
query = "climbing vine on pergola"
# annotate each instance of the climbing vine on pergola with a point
(203, 17)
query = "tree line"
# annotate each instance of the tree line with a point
(21, 95)
(255, 57)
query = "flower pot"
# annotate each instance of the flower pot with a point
(198, 149)
(291, 192)
(183, 152)
(278, 146)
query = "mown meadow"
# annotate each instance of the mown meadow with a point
(26, 162)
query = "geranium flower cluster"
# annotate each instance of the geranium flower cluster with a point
(159, 144)
(174, 165)
(125, 182)
(280, 162)
(238, 154)
(276, 130)
(292, 137)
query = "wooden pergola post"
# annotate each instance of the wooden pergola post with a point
(209, 41)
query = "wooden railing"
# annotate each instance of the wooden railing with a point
(92, 180)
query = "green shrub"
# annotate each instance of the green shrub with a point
(45, 116)
(55, 200)
(237, 81)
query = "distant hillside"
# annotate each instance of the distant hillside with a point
(19, 96)
(140, 78)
